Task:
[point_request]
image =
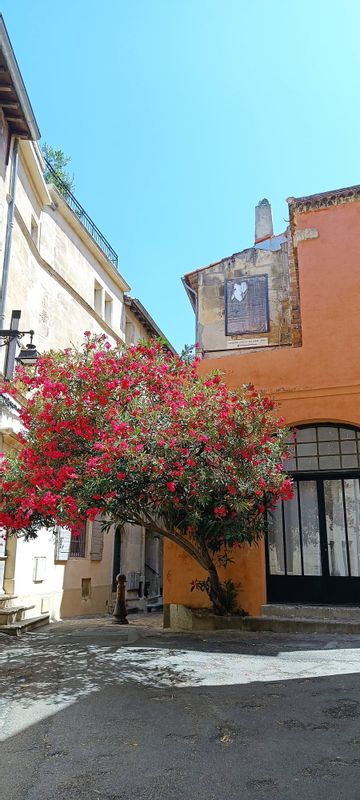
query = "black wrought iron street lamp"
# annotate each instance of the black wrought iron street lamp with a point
(10, 338)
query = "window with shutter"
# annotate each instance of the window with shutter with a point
(62, 543)
(68, 545)
(97, 540)
(133, 581)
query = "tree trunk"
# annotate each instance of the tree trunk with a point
(216, 591)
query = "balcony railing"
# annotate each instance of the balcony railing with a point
(52, 177)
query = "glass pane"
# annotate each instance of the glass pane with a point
(329, 462)
(308, 449)
(349, 461)
(310, 527)
(327, 434)
(349, 446)
(308, 463)
(347, 433)
(306, 435)
(352, 504)
(289, 463)
(276, 542)
(292, 535)
(335, 528)
(328, 448)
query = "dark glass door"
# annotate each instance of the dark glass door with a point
(313, 547)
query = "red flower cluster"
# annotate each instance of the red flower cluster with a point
(135, 434)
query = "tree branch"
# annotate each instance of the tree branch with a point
(151, 525)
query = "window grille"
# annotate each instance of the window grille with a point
(324, 447)
(78, 544)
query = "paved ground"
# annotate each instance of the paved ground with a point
(91, 710)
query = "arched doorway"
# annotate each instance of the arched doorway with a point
(313, 542)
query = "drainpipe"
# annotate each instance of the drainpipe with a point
(9, 231)
(194, 294)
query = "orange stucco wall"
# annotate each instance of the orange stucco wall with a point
(318, 382)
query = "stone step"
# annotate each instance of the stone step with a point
(280, 624)
(6, 600)
(311, 612)
(25, 625)
(156, 604)
(13, 614)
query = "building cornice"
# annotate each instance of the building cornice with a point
(315, 202)
(65, 285)
(19, 114)
(34, 171)
(60, 205)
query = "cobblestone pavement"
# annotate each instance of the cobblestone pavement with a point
(89, 709)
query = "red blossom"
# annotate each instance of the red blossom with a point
(129, 431)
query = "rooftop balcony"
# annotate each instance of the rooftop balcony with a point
(93, 230)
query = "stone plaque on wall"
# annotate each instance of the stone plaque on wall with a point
(246, 305)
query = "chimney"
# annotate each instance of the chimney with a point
(263, 221)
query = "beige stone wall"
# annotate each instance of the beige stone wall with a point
(134, 330)
(4, 180)
(61, 592)
(52, 278)
(211, 299)
(53, 268)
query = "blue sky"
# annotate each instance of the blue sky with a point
(180, 115)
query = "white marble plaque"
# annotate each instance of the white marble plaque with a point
(239, 343)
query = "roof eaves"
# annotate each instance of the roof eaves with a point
(16, 77)
(149, 323)
(325, 199)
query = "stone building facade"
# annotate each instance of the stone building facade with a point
(61, 273)
(307, 358)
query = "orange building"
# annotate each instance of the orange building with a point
(284, 314)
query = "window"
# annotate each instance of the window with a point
(86, 588)
(34, 231)
(324, 447)
(67, 545)
(98, 298)
(39, 571)
(77, 544)
(108, 309)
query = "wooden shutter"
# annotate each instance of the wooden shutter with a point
(97, 540)
(133, 581)
(62, 543)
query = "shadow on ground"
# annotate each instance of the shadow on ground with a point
(91, 712)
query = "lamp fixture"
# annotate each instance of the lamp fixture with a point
(10, 338)
(28, 355)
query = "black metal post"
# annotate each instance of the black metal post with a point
(120, 612)
(11, 347)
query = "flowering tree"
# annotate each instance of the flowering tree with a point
(134, 434)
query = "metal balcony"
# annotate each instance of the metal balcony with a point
(51, 176)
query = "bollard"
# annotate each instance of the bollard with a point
(119, 615)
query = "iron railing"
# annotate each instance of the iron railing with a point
(52, 176)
